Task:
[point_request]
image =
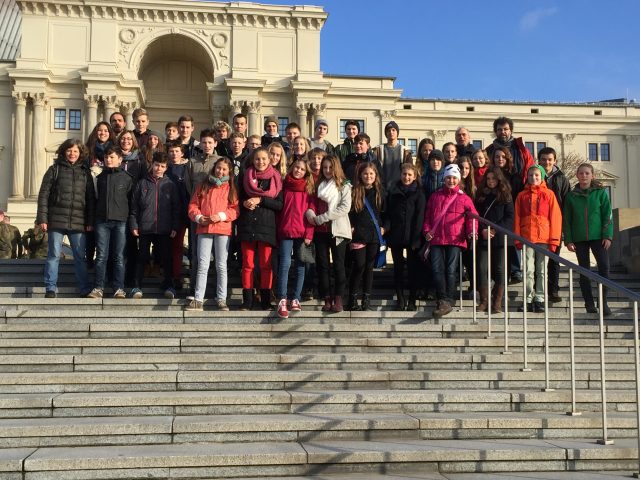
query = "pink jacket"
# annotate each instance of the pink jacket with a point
(292, 222)
(456, 225)
(215, 200)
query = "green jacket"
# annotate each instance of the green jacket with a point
(587, 215)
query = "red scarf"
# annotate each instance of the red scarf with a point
(294, 184)
(252, 177)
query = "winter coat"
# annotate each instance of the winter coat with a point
(522, 161)
(538, 217)
(338, 206)
(259, 224)
(114, 195)
(587, 215)
(344, 149)
(353, 161)
(155, 207)
(432, 181)
(403, 217)
(456, 225)
(364, 230)
(66, 200)
(501, 214)
(198, 171)
(292, 222)
(559, 184)
(134, 165)
(214, 201)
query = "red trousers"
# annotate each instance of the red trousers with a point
(249, 250)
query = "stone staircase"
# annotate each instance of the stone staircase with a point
(133, 389)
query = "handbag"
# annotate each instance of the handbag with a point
(381, 256)
(307, 253)
(423, 252)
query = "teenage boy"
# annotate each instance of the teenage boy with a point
(171, 133)
(320, 131)
(190, 146)
(391, 156)
(253, 142)
(114, 187)
(271, 133)
(179, 171)
(222, 131)
(141, 121)
(240, 124)
(237, 143)
(351, 129)
(154, 218)
(362, 153)
(291, 132)
(559, 185)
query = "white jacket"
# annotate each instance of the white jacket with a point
(339, 205)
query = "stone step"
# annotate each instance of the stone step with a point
(303, 427)
(263, 459)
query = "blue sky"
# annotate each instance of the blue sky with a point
(538, 50)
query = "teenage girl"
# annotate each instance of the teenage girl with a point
(278, 158)
(213, 207)
(480, 161)
(425, 147)
(315, 158)
(300, 148)
(588, 226)
(450, 153)
(467, 182)
(330, 214)
(293, 230)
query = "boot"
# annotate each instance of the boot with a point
(411, 304)
(401, 304)
(247, 299)
(366, 302)
(484, 299)
(337, 304)
(327, 304)
(265, 299)
(497, 299)
(352, 304)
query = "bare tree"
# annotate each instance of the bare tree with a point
(569, 165)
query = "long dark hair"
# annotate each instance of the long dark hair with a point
(359, 191)
(502, 190)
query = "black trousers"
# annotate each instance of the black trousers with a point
(361, 279)
(414, 267)
(553, 275)
(325, 243)
(602, 260)
(162, 244)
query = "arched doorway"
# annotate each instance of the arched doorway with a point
(174, 71)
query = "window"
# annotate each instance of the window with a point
(342, 122)
(540, 146)
(402, 141)
(412, 143)
(75, 120)
(282, 124)
(477, 144)
(530, 146)
(601, 152)
(60, 119)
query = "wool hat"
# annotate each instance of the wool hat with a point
(543, 172)
(321, 121)
(270, 119)
(452, 171)
(436, 154)
(391, 124)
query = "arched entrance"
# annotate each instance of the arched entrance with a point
(174, 71)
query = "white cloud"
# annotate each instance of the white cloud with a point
(532, 19)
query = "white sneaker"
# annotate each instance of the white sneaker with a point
(95, 293)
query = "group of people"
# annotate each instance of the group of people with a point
(282, 201)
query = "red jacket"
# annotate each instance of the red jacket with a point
(537, 216)
(292, 222)
(456, 225)
(214, 201)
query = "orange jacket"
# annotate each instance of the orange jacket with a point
(214, 201)
(538, 217)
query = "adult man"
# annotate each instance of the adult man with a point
(463, 142)
(522, 159)
(16, 239)
(240, 124)
(351, 129)
(391, 156)
(118, 123)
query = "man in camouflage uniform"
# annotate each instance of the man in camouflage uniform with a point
(35, 242)
(5, 238)
(16, 241)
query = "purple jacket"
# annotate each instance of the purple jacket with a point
(456, 225)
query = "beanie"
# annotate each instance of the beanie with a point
(452, 171)
(436, 154)
(270, 119)
(391, 124)
(321, 121)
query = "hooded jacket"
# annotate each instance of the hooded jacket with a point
(538, 217)
(559, 184)
(587, 215)
(456, 225)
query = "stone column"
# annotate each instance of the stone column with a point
(19, 129)
(302, 109)
(254, 118)
(127, 109)
(92, 112)
(319, 111)
(566, 140)
(110, 106)
(38, 157)
(216, 113)
(234, 109)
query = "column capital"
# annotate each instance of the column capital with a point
(126, 107)
(567, 138)
(20, 98)
(387, 114)
(319, 109)
(254, 107)
(632, 139)
(302, 108)
(110, 100)
(39, 99)
(92, 100)
(440, 134)
(236, 106)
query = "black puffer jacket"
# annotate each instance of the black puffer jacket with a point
(114, 195)
(67, 199)
(258, 225)
(404, 216)
(502, 214)
(155, 207)
(364, 230)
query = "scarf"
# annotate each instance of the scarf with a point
(252, 177)
(218, 182)
(294, 184)
(412, 187)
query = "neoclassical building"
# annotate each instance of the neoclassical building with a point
(67, 64)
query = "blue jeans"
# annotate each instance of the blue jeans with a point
(444, 262)
(287, 246)
(77, 240)
(221, 245)
(110, 237)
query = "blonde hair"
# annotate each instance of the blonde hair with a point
(282, 167)
(310, 185)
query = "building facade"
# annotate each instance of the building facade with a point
(74, 62)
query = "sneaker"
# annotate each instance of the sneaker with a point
(283, 312)
(538, 307)
(95, 293)
(50, 294)
(193, 306)
(136, 293)
(444, 308)
(191, 296)
(295, 306)
(169, 293)
(529, 307)
(120, 293)
(222, 305)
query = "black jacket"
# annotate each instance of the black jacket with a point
(155, 206)
(559, 184)
(114, 194)
(258, 225)
(502, 214)
(364, 230)
(404, 216)
(67, 198)
(353, 161)
(135, 166)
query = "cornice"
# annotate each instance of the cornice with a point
(182, 13)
